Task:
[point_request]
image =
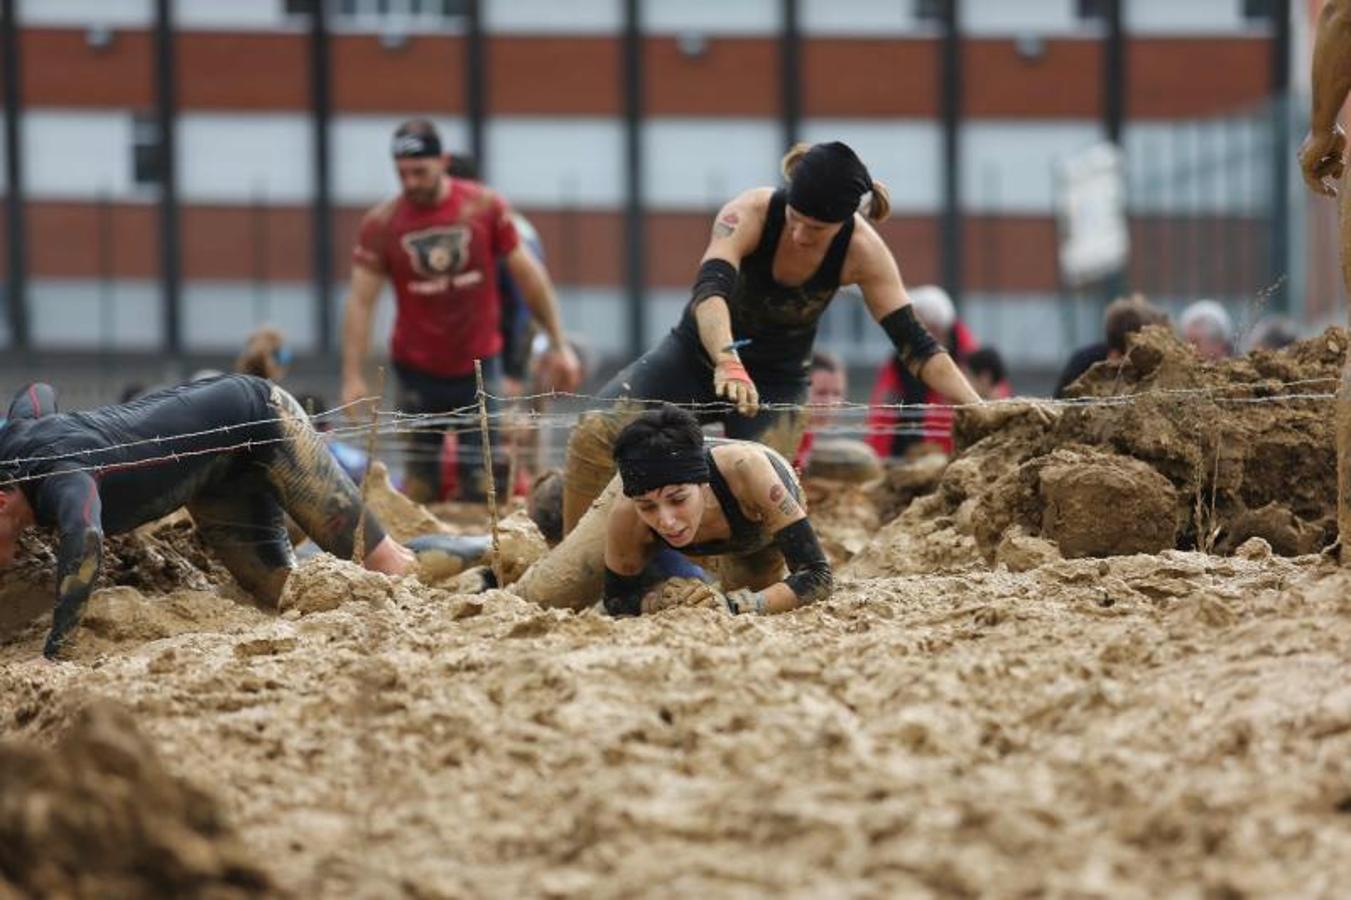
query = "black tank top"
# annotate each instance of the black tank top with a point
(747, 536)
(779, 320)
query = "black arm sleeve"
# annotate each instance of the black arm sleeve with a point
(810, 577)
(716, 278)
(33, 402)
(911, 339)
(623, 593)
(70, 500)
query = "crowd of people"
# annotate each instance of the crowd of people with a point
(644, 495)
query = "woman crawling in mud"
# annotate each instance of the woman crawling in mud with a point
(736, 502)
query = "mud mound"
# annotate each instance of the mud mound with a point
(98, 816)
(904, 480)
(401, 517)
(843, 515)
(843, 459)
(1161, 451)
(1088, 501)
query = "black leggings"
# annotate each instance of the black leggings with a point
(432, 394)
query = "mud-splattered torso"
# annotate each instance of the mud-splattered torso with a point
(779, 320)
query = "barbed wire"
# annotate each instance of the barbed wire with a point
(395, 422)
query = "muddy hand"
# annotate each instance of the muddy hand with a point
(732, 383)
(744, 602)
(680, 592)
(560, 370)
(1320, 160)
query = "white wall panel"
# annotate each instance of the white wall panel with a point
(553, 16)
(713, 16)
(699, 164)
(78, 153)
(236, 14)
(86, 13)
(219, 315)
(72, 314)
(557, 162)
(1217, 165)
(904, 153)
(1029, 329)
(1042, 17)
(1165, 17)
(862, 18)
(1008, 166)
(362, 169)
(234, 158)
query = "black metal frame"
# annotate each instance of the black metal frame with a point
(475, 94)
(166, 112)
(321, 111)
(16, 253)
(635, 233)
(950, 103)
(790, 72)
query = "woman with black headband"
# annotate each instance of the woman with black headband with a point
(734, 505)
(775, 260)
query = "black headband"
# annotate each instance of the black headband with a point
(828, 183)
(416, 146)
(649, 473)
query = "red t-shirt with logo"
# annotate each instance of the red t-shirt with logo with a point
(442, 260)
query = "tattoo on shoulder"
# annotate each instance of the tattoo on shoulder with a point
(726, 224)
(788, 506)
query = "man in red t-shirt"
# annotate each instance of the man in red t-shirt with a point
(439, 242)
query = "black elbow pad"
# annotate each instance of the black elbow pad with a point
(811, 577)
(911, 339)
(716, 278)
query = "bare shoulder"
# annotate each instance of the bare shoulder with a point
(868, 253)
(745, 466)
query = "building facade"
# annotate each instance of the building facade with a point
(618, 127)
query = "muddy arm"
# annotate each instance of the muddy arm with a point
(1321, 156)
(71, 502)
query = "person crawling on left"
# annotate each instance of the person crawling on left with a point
(236, 450)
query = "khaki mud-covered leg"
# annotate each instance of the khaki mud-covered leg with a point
(590, 460)
(572, 575)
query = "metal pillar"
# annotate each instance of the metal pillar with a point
(634, 238)
(1280, 154)
(475, 69)
(950, 104)
(17, 278)
(790, 72)
(321, 109)
(166, 111)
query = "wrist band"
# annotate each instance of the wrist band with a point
(736, 345)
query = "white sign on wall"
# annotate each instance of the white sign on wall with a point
(1091, 214)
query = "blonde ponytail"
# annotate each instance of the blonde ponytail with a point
(879, 206)
(792, 158)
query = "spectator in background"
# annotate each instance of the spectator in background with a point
(439, 242)
(1123, 318)
(893, 432)
(829, 387)
(1273, 333)
(988, 375)
(1206, 325)
(265, 354)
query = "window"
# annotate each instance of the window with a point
(931, 10)
(1093, 9)
(146, 160)
(1259, 9)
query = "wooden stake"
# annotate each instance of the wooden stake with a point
(359, 545)
(1342, 405)
(488, 470)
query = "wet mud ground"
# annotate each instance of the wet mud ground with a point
(970, 715)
